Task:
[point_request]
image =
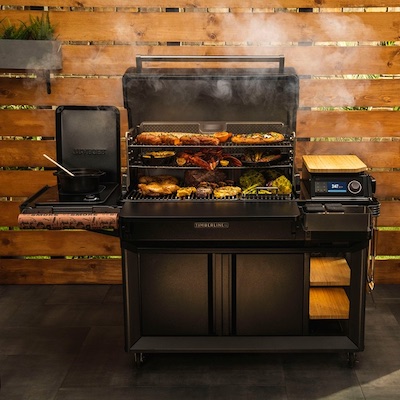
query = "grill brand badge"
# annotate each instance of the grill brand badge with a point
(89, 152)
(211, 225)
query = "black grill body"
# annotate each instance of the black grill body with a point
(231, 274)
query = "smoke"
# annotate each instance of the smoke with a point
(222, 91)
(327, 32)
(342, 27)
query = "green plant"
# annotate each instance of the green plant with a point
(41, 28)
(38, 28)
(13, 32)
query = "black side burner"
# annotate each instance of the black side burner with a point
(50, 199)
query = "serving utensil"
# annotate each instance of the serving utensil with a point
(58, 165)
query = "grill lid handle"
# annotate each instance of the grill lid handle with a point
(267, 59)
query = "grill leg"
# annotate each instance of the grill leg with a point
(351, 359)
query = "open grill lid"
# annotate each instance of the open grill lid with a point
(211, 94)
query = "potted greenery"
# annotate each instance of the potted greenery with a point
(29, 46)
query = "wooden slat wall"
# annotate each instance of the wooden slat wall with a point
(101, 39)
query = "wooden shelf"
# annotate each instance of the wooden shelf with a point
(328, 303)
(329, 271)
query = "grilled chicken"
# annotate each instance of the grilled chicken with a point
(157, 189)
(160, 185)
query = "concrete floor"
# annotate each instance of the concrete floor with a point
(66, 343)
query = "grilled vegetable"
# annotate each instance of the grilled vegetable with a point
(283, 184)
(251, 178)
(261, 156)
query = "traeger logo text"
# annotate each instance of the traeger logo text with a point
(211, 225)
(89, 152)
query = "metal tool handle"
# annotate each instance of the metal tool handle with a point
(265, 59)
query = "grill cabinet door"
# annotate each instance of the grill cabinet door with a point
(175, 294)
(269, 294)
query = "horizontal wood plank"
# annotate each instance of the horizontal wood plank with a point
(388, 243)
(65, 91)
(387, 272)
(211, 3)
(388, 184)
(342, 124)
(9, 211)
(27, 123)
(57, 243)
(115, 60)
(216, 27)
(24, 183)
(27, 153)
(349, 92)
(390, 214)
(60, 271)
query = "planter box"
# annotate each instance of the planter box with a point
(30, 54)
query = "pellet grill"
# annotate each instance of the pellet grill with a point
(245, 273)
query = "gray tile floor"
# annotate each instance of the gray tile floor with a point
(66, 343)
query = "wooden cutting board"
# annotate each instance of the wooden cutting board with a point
(331, 163)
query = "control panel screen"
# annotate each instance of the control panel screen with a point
(336, 187)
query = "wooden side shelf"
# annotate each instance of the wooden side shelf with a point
(329, 271)
(329, 303)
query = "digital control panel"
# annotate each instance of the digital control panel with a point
(327, 185)
(338, 186)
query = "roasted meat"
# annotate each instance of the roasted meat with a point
(163, 179)
(195, 177)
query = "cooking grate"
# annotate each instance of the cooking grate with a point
(135, 195)
(213, 126)
(207, 127)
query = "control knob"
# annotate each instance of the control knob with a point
(354, 187)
